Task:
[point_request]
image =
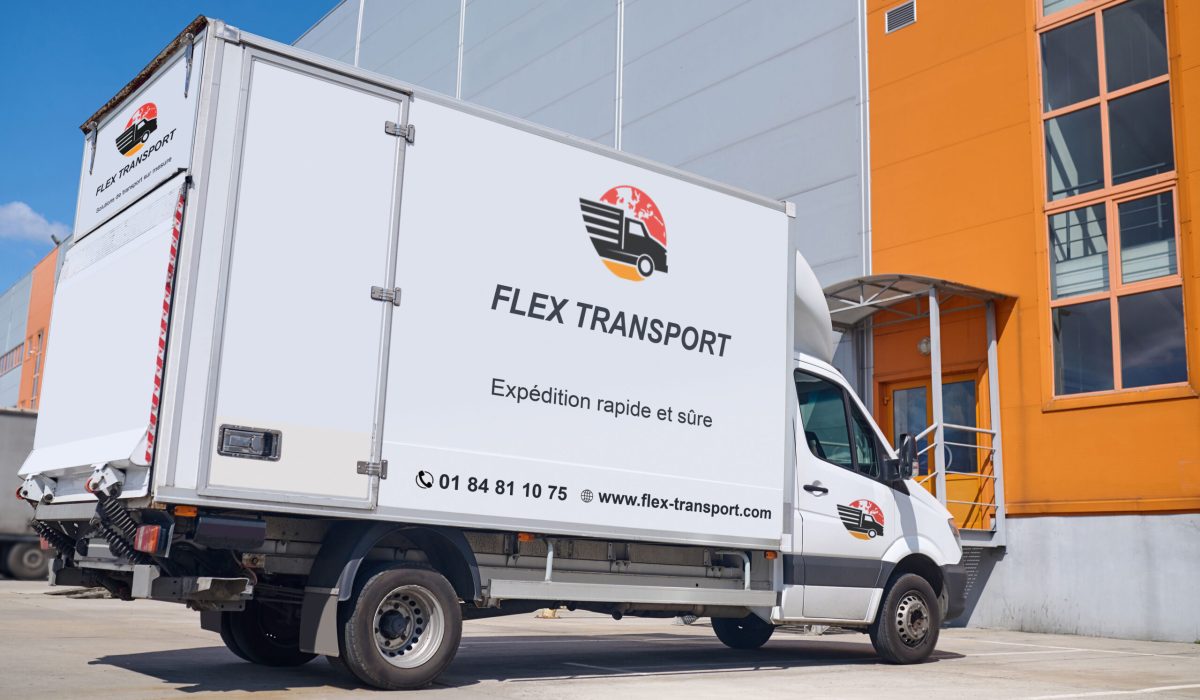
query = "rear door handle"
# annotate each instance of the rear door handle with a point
(816, 488)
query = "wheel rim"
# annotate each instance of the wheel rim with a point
(409, 626)
(33, 558)
(913, 620)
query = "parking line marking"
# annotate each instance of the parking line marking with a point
(1107, 693)
(599, 668)
(1091, 649)
(1025, 653)
(1020, 644)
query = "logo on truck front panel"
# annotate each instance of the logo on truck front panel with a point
(862, 518)
(628, 232)
(138, 129)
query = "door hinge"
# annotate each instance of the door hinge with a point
(408, 131)
(92, 135)
(385, 294)
(378, 469)
(189, 47)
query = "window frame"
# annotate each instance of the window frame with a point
(1111, 197)
(1102, 100)
(848, 405)
(1117, 288)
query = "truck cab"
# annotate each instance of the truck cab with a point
(862, 528)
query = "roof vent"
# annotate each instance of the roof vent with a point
(901, 16)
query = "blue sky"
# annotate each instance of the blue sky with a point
(59, 62)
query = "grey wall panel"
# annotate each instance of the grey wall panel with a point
(1081, 564)
(415, 41)
(752, 35)
(10, 389)
(14, 313)
(334, 35)
(829, 231)
(553, 61)
(16, 441)
(762, 94)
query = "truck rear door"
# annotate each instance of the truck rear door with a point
(112, 303)
(100, 395)
(313, 227)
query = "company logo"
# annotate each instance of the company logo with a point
(862, 518)
(628, 231)
(138, 129)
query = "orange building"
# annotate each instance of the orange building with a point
(37, 328)
(1041, 154)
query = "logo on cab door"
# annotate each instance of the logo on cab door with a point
(628, 232)
(138, 129)
(862, 518)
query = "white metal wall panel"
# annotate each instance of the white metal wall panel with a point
(550, 61)
(335, 34)
(416, 42)
(301, 333)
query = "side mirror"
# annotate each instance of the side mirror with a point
(905, 465)
(908, 456)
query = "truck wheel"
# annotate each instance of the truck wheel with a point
(231, 642)
(402, 629)
(26, 561)
(906, 629)
(749, 632)
(266, 635)
(645, 266)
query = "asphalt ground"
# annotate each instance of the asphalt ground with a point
(55, 646)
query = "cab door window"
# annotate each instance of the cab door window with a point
(866, 445)
(823, 416)
(835, 430)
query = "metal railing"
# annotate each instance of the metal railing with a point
(983, 514)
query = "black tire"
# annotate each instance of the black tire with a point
(906, 629)
(266, 635)
(402, 628)
(649, 263)
(231, 642)
(749, 632)
(26, 561)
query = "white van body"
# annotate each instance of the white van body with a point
(315, 301)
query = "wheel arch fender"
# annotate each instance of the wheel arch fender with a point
(343, 550)
(916, 555)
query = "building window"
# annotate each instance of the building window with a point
(1116, 293)
(11, 359)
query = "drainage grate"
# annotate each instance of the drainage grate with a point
(901, 16)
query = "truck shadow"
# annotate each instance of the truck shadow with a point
(216, 669)
(519, 658)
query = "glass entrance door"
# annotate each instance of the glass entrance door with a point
(908, 409)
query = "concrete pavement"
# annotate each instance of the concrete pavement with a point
(59, 647)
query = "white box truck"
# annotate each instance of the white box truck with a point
(339, 363)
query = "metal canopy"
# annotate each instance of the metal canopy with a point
(854, 300)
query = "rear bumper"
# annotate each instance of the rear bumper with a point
(954, 582)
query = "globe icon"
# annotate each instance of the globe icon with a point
(586, 495)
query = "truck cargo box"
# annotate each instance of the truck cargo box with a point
(298, 287)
